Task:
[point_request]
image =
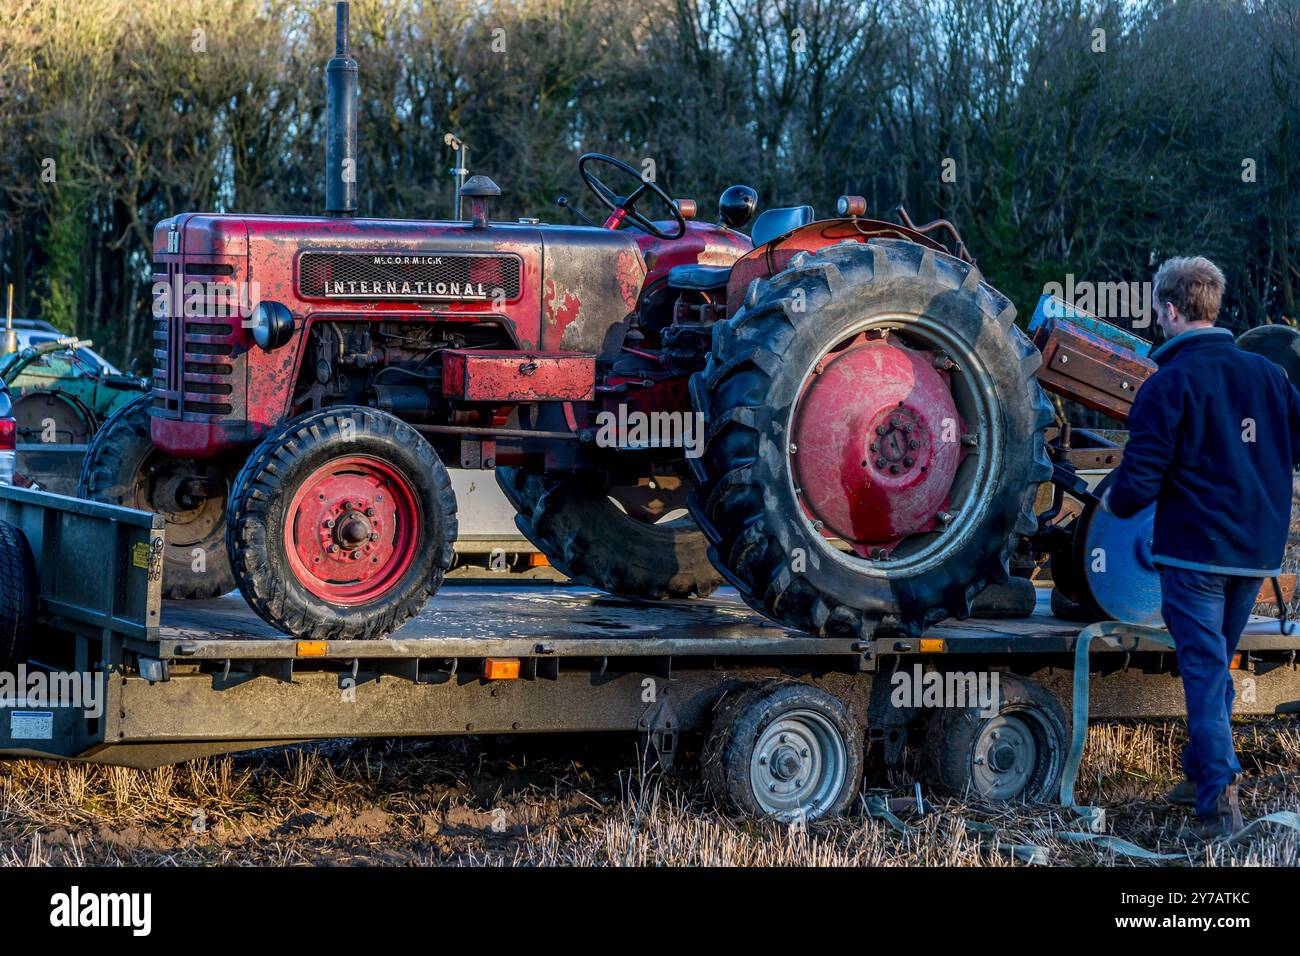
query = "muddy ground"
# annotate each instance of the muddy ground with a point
(589, 800)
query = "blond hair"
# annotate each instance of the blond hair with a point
(1194, 286)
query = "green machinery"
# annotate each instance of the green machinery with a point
(60, 401)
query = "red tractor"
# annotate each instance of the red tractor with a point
(838, 417)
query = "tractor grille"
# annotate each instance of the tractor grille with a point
(193, 329)
(463, 277)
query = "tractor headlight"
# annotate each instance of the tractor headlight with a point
(272, 325)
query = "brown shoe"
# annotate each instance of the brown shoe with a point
(1227, 814)
(1182, 794)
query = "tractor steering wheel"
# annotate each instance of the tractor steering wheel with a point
(624, 207)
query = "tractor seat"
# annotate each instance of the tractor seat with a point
(697, 277)
(777, 222)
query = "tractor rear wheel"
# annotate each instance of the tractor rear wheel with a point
(342, 524)
(874, 439)
(122, 467)
(627, 540)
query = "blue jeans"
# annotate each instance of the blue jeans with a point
(1206, 614)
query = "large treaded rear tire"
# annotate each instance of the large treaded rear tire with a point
(744, 497)
(17, 596)
(258, 526)
(117, 469)
(584, 535)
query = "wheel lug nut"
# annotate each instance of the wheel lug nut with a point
(914, 443)
(334, 549)
(347, 506)
(374, 536)
(909, 461)
(881, 429)
(893, 469)
(370, 512)
(875, 446)
(880, 463)
(329, 522)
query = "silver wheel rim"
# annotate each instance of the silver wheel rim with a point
(1005, 758)
(799, 766)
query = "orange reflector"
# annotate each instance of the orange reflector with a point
(932, 645)
(538, 561)
(500, 668)
(313, 648)
(1236, 662)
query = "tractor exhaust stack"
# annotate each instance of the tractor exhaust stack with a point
(341, 93)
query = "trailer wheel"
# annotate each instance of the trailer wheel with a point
(17, 595)
(1015, 755)
(785, 750)
(122, 467)
(342, 524)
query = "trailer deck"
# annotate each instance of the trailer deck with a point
(185, 679)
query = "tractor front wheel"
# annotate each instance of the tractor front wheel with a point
(342, 524)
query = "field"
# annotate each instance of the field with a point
(588, 800)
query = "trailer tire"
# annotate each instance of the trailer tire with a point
(318, 551)
(122, 467)
(589, 539)
(786, 750)
(757, 395)
(18, 588)
(1016, 755)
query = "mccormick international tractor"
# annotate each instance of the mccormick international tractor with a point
(838, 417)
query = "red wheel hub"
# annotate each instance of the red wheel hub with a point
(877, 441)
(351, 530)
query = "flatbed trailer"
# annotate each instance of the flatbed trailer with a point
(185, 679)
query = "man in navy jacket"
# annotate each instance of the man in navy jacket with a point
(1214, 437)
